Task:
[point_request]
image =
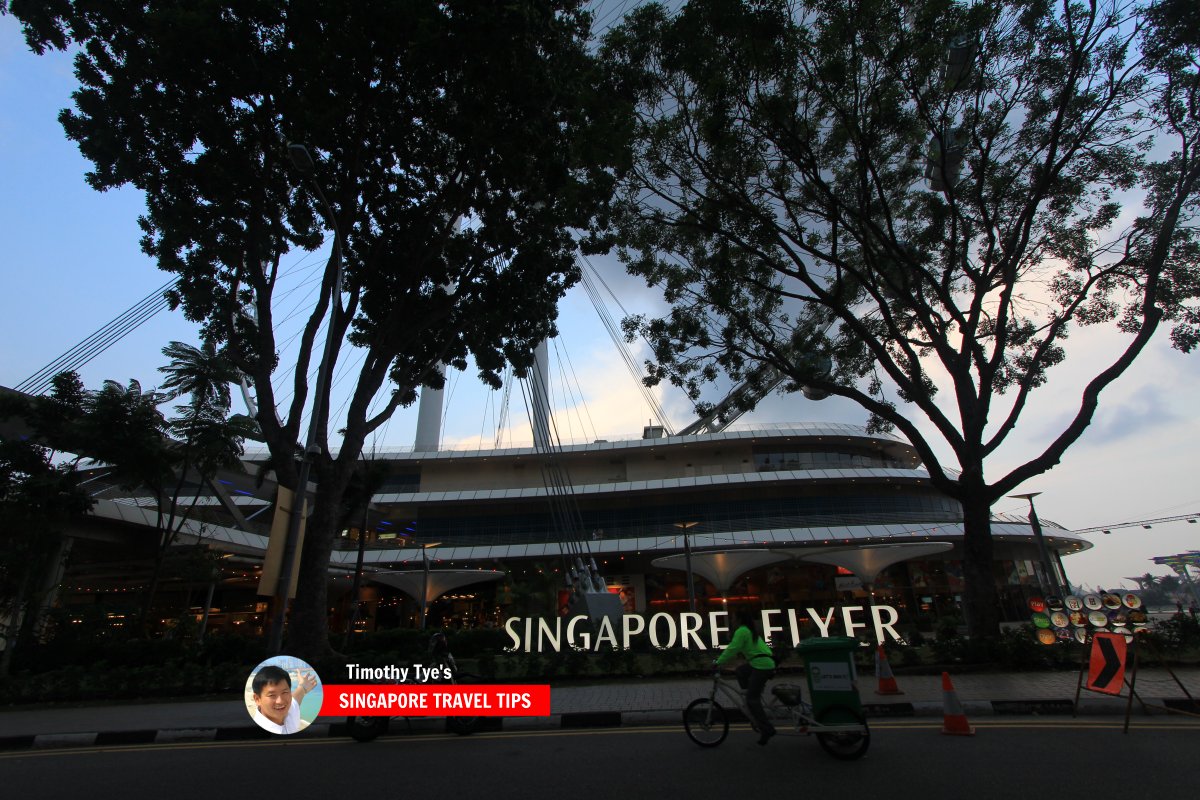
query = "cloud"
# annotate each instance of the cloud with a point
(1143, 413)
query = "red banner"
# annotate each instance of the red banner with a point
(422, 700)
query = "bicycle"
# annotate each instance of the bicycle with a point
(840, 730)
(368, 728)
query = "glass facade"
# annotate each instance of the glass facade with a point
(498, 524)
(769, 459)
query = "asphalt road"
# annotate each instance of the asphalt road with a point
(1060, 758)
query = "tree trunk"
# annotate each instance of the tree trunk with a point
(356, 589)
(15, 625)
(308, 625)
(981, 601)
(160, 553)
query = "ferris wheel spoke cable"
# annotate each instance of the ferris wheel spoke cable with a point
(601, 307)
(564, 509)
(554, 501)
(561, 479)
(618, 340)
(567, 400)
(101, 345)
(95, 344)
(573, 390)
(109, 334)
(586, 410)
(502, 419)
(490, 411)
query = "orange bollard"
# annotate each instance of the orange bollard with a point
(883, 671)
(954, 721)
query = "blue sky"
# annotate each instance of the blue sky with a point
(71, 263)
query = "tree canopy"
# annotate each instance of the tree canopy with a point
(37, 500)
(121, 430)
(462, 146)
(913, 206)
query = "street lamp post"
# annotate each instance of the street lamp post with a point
(687, 551)
(1035, 523)
(302, 162)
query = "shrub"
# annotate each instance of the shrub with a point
(1178, 633)
(1018, 648)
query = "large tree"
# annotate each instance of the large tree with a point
(918, 201)
(459, 143)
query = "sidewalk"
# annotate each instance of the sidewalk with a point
(611, 704)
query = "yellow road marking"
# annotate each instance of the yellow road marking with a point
(889, 725)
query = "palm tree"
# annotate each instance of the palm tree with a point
(207, 439)
(123, 428)
(1145, 582)
(201, 372)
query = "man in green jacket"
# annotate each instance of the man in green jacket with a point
(754, 674)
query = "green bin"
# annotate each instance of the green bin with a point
(832, 678)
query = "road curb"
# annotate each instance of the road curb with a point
(579, 720)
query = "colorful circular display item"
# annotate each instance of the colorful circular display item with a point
(1046, 637)
(1111, 601)
(1092, 602)
(1037, 604)
(1078, 619)
(1073, 603)
(1054, 603)
(1062, 634)
(1041, 620)
(1137, 617)
(1131, 601)
(1081, 635)
(1098, 619)
(1128, 634)
(1059, 619)
(1119, 618)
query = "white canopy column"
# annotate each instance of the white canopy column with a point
(425, 586)
(723, 567)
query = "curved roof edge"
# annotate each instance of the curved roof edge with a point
(863, 474)
(804, 430)
(234, 540)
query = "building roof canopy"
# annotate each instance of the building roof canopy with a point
(435, 582)
(723, 567)
(867, 561)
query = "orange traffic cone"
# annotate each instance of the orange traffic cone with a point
(883, 671)
(954, 720)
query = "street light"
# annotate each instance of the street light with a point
(303, 163)
(687, 550)
(1036, 524)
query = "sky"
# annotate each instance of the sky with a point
(71, 263)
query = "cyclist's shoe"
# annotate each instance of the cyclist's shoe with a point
(766, 735)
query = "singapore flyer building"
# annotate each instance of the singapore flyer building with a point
(485, 534)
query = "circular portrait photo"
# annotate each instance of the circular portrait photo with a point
(283, 695)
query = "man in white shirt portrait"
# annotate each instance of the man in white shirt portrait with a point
(278, 705)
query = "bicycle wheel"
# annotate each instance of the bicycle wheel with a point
(849, 745)
(706, 723)
(364, 729)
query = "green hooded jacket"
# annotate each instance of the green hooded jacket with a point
(745, 643)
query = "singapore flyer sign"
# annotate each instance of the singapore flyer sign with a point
(691, 631)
